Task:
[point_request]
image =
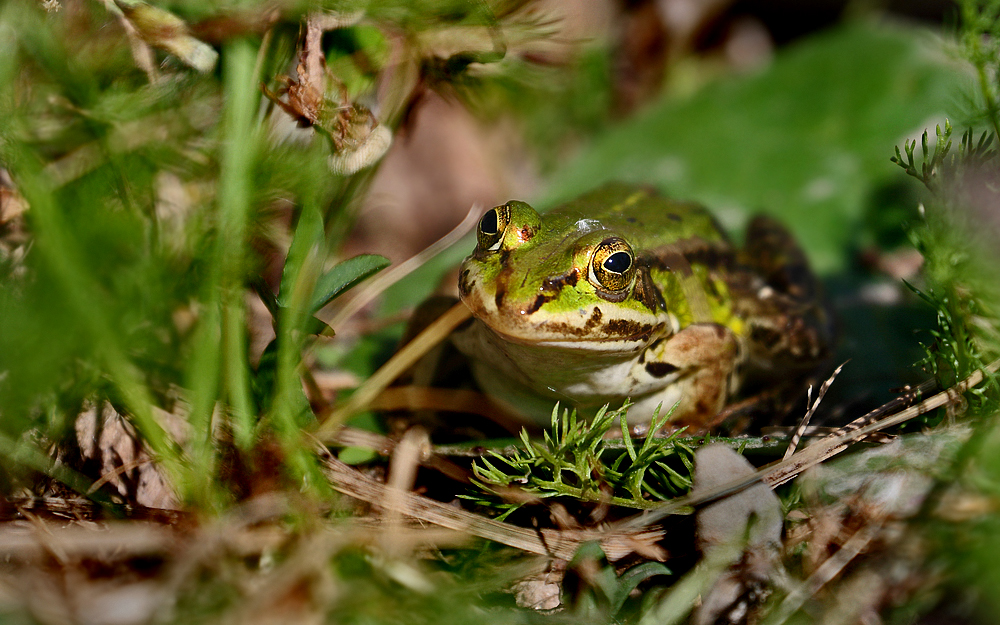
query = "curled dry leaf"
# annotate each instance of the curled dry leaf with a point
(361, 153)
(317, 99)
(108, 438)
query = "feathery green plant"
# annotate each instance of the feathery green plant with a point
(571, 460)
(962, 286)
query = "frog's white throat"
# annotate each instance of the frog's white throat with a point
(576, 373)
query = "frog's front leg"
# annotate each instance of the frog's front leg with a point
(696, 368)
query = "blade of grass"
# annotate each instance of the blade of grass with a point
(302, 270)
(218, 366)
(374, 287)
(235, 182)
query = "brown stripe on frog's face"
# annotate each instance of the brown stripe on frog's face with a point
(550, 290)
(500, 286)
(647, 292)
(465, 284)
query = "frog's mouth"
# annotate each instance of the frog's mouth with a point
(614, 335)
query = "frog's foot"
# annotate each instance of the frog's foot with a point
(773, 252)
(702, 359)
(790, 328)
(767, 406)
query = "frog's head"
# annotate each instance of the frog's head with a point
(563, 281)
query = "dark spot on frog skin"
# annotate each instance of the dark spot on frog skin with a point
(555, 283)
(631, 220)
(675, 217)
(660, 369)
(498, 298)
(550, 289)
(464, 285)
(538, 303)
(703, 409)
(595, 318)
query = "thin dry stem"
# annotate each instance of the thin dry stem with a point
(409, 453)
(800, 430)
(400, 362)
(830, 568)
(374, 287)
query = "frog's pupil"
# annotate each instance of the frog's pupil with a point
(489, 225)
(619, 262)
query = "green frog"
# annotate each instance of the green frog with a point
(622, 293)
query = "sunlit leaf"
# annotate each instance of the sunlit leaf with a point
(344, 275)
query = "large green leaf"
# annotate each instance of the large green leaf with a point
(808, 139)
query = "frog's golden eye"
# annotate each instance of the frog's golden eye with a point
(613, 265)
(489, 236)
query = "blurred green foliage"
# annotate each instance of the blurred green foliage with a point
(155, 194)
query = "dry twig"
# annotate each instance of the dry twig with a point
(800, 430)
(824, 449)
(560, 544)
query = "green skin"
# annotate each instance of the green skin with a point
(677, 318)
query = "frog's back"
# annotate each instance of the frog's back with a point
(765, 293)
(647, 219)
